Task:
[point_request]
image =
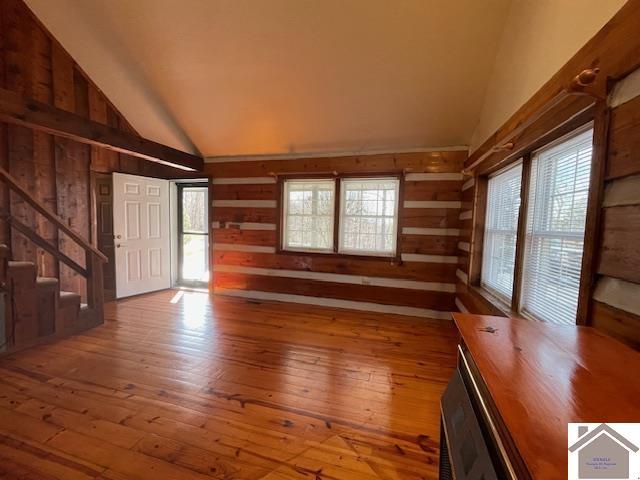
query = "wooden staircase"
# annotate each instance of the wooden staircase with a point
(35, 307)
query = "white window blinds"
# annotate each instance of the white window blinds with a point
(501, 229)
(369, 216)
(308, 209)
(555, 229)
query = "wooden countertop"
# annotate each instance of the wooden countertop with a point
(541, 377)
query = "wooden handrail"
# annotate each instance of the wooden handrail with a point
(45, 245)
(52, 217)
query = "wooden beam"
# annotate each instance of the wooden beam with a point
(18, 110)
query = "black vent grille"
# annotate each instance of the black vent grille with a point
(445, 463)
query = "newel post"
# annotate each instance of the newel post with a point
(95, 287)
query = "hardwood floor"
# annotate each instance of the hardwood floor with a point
(181, 385)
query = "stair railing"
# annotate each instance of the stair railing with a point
(94, 258)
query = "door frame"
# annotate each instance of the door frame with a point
(109, 268)
(180, 186)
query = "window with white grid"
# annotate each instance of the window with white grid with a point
(554, 241)
(501, 231)
(369, 216)
(308, 210)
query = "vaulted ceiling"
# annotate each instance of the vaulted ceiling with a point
(252, 77)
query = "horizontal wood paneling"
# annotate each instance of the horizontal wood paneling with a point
(431, 234)
(463, 261)
(245, 225)
(432, 245)
(452, 232)
(444, 190)
(245, 237)
(340, 278)
(420, 258)
(365, 293)
(623, 191)
(433, 177)
(619, 324)
(430, 218)
(428, 272)
(467, 299)
(624, 140)
(431, 204)
(450, 161)
(466, 228)
(620, 247)
(618, 293)
(238, 247)
(244, 203)
(242, 214)
(243, 181)
(619, 252)
(245, 192)
(467, 199)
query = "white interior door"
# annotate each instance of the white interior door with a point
(142, 236)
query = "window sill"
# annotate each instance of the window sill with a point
(498, 304)
(367, 254)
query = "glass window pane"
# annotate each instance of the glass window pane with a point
(195, 257)
(501, 227)
(194, 209)
(369, 216)
(555, 229)
(308, 214)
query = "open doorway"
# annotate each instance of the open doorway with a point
(193, 234)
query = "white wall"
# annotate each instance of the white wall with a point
(539, 37)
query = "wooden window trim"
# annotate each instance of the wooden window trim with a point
(599, 117)
(479, 219)
(280, 213)
(337, 177)
(592, 238)
(521, 233)
(500, 301)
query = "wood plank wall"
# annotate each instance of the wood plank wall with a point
(55, 170)
(244, 233)
(615, 307)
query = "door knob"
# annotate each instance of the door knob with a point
(118, 236)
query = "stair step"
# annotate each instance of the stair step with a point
(22, 276)
(69, 298)
(16, 264)
(46, 281)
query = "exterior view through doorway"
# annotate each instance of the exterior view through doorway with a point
(193, 234)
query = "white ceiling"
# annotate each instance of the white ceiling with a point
(256, 77)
